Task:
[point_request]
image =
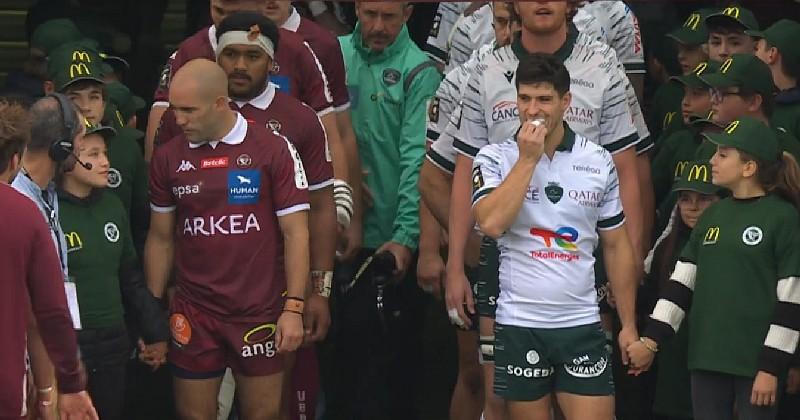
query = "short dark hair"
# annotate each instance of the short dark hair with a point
(767, 101)
(789, 69)
(84, 84)
(244, 20)
(543, 68)
(47, 123)
(14, 131)
(724, 26)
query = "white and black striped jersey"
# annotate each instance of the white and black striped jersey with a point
(444, 21)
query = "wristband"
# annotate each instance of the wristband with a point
(322, 281)
(648, 346)
(293, 311)
(294, 305)
(317, 7)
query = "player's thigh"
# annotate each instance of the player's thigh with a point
(259, 396)
(586, 407)
(196, 399)
(583, 368)
(529, 410)
(523, 368)
(467, 349)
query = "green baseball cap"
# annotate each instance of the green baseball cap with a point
(127, 103)
(744, 70)
(49, 35)
(740, 15)
(693, 31)
(693, 79)
(785, 36)
(696, 177)
(106, 131)
(751, 136)
(73, 62)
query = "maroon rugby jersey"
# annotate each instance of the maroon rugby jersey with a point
(289, 117)
(295, 68)
(328, 51)
(227, 197)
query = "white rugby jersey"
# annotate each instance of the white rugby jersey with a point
(470, 33)
(546, 255)
(616, 24)
(442, 107)
(444, 21)
(599, 110)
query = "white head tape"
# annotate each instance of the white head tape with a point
(252, 37)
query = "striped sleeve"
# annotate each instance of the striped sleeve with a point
(617, 130)
(444, 102)
(472, 132)
(625, 37)
(782, 338)
(676, 298)
(486, 172)
(469, 34)
(446, 16)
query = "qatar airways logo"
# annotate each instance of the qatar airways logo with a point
(229, 224)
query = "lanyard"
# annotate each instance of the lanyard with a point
(52, 221)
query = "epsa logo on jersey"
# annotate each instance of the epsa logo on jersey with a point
(180, 191)
(214, 162)
(504, 111)
(244, 186)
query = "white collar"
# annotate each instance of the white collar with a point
(234, 137)
(212, 37)
(293, 21)
(263, 100)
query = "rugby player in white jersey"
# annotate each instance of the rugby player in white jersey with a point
(548, 195)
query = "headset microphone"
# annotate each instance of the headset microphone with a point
(86, 165)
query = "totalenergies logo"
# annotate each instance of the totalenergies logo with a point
(563, 237)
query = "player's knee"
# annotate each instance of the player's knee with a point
(471, 378)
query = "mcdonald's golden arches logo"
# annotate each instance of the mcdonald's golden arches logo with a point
(726, 66)
(80, 69)
(731, 11)
(74, 242)
(700, 68)
(732, 127)
(696, 171)
(668, 119)
(680, 167)
(712, 235)
(81, 56)
(692, 21)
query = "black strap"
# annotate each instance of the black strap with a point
(413, 73)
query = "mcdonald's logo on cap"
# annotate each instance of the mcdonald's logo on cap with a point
(696, 171)
(668, 119)
(731, 11)
(692, 21)
(680, 167)
(712, 236)
(732, 127)
(82, 56)
(726, 66)
(700, 68)
(80, 69)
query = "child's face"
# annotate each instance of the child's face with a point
(89, 101)
(723, 45)
(692, 204)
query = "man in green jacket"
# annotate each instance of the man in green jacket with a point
(391, 82)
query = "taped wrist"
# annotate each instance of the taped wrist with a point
(343, 197)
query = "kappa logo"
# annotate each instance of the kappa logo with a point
(752, 235)
(712, 236)
(112, 232)
(114, 178)
(185, 166)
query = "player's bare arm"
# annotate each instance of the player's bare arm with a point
(457, 290)
(631, 195)
(159, 252)
(321, 227)
(351, 235)
(294, 228)
(623, 277)
(434, 188)
(153, 120)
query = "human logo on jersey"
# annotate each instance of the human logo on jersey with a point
(244, 186)
(752, 235)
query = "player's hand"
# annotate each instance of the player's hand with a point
(430, 272)
(153, 355)
(530, 140)
(457, 293)
(637, 356)
(793, 381)
(765, 389)
(290, 332)
(402, 257)
(317, 318)
(350, 240)
(76, 406)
